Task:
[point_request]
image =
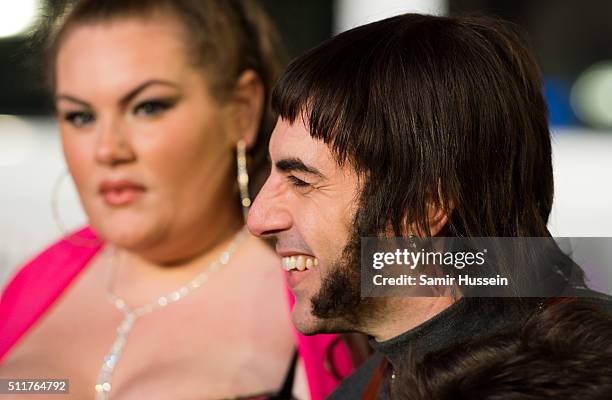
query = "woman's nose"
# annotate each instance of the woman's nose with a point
(113, 145)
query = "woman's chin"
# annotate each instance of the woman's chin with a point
(127, 236)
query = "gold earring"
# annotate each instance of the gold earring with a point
(243, 177)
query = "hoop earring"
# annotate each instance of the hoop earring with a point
(243, 178)
(68, 236)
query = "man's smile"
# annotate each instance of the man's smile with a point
(299, 262)
(298, 266)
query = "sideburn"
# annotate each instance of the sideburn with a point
(339, 297)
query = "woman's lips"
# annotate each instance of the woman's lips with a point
(120, 192)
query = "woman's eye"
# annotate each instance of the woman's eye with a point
(79, 119)
(152, 108)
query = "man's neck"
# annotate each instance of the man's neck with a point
(405, 313)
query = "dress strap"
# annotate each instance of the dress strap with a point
(39, 283)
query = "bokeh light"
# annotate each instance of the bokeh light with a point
(17, 16)
(591, 96)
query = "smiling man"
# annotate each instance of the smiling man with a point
(414, 125)
(309, 204)
(312, 188)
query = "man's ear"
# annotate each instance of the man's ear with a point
(437, 219)
(248, 106)
(438, 211)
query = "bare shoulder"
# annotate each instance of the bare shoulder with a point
(259, 257)
(257, 275)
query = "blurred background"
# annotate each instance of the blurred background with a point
(572, 40)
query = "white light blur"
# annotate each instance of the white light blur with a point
(16, 16)
(351, 13)
(30, 162)
(582, 168)
(591, 95)
(18, 140)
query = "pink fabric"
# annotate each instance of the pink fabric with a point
(313, 350)
(39, 283)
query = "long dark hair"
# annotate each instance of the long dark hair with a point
(444, 111)
(436, 111)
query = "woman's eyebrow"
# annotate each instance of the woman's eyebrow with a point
(134, 92)
(126, 98)
(72, 99)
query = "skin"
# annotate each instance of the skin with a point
(129, 110)
(309, 210)
(105, 137)
(307, 213)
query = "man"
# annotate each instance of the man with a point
(414, 125)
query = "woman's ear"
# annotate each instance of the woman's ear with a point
(248, 106)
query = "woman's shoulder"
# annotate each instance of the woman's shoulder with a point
(59, 259)
(38, 283)
(260, 250)
(316, 351)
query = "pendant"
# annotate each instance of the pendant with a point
(103, 385)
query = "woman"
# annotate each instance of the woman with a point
(156, 102)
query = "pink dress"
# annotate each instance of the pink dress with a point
(38, 284)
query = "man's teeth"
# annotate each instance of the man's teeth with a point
(299, 262)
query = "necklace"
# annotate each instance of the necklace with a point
(130, 315)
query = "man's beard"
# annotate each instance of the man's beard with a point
(339, 297)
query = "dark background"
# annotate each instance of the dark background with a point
(568, 36)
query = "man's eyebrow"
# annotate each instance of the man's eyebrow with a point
(295, 164)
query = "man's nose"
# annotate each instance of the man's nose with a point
(268, 214)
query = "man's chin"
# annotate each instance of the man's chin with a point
(304, 321)
(308, 324)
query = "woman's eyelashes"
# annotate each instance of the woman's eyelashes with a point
(154, 107)
(149, 109)
(78, 119)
